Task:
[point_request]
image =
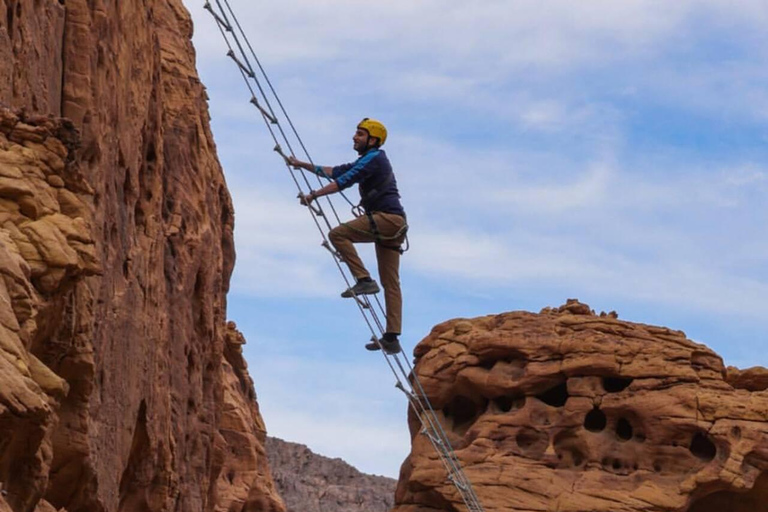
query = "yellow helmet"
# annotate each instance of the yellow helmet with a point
(374, 129)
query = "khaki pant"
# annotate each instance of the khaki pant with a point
(359, 230)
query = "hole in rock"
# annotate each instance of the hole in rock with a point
(623, 429)
(512, 364)
(532, 442)
(736, 432)
(753, 500)
(556, 396)
(151, 154)
(616, 384)
(9, 19)
(702, 447)
(509, 403)
(463, 410)
(657, 467)
(487, 364)
(595, 420)
(616, 464)
(127, 186)
(570, 448)
(527, 437)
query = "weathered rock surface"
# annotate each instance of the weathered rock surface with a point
(570, 411)
(122, 387)
(312, 483)
(46, 248)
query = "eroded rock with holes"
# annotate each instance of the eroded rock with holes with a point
(575, 412)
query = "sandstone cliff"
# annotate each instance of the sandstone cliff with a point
(121, 385)
(312, 483)
(569, 411)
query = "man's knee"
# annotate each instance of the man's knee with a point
(335, 235)
(338, 235)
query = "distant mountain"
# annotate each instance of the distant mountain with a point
(309, 482)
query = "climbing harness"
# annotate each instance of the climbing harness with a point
(406, 379)
(359, 210)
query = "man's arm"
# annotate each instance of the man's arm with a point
(324, 171)
(330, 188)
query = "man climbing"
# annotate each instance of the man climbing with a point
(383, 222)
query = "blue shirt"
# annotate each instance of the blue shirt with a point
(377, 184)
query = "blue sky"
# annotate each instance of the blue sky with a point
(616, 152)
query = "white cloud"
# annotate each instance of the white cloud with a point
(528, 32)
(746, 175)
(585, 190)
(666, 276)
(278, 253)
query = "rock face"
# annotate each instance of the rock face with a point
(122, 387)
(570, 411)
(312, 483)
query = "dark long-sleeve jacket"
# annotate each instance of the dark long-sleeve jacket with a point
(377, 183)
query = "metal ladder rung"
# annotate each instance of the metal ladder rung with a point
(247, 70)
(221, 21)
(263, 111)
(331, 250)
(363, 304)
(407, 393)
(455, 481)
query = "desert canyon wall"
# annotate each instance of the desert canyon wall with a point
(570, 411)
(122, 387)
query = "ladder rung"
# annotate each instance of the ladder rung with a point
(265, 113)
(363, 304)
(248, 71)
(317, 211)
(221, 21)
(407, 393)
(333, 252)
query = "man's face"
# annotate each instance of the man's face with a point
(360, 140)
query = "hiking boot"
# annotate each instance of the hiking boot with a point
(391, 345)
(362, 287)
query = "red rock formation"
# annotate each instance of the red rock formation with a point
(122, 387)
(572, 412)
